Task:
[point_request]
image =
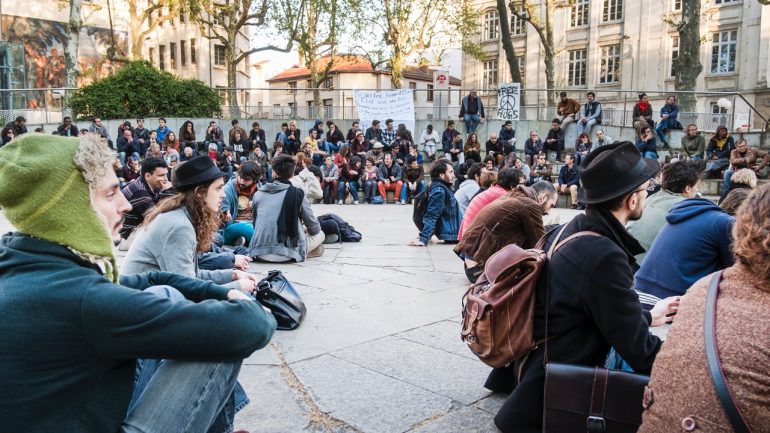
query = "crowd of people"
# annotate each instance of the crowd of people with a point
(172, 200)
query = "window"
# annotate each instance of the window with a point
(676, 5)
(491, 25)
(518, 25)
(723, 47)
(328, 83)
(193, 53)
(522, 63)
(183, 53)
(292, 87)
(489, 75)
(721, 2)
(716, 109)
(222, 94)
(412, 85)
(172, 54)
(162, 57)
(577, 67)
(579, 16)
(674, 53)
(152, 56)
(430, 93)
(612, 10)
(610, 66)
(219, 55)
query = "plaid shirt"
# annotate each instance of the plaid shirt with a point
(388, 137)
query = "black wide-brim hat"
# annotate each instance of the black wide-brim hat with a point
(612, 171)
(197, 171)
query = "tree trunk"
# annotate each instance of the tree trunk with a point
(73, 44)
(396, 68)
(510, 54)
(687, 66)
(135, 27)
(232, 94)
(550, 81)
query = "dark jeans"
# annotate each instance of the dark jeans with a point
(370, 190)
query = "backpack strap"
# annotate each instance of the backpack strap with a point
(555, 245)
(712, 356)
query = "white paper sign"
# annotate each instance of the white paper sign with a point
(508, 101)
(385, 104)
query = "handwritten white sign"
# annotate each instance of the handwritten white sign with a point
(385, 104)
(508, 101)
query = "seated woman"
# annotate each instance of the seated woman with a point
(582, 148)
(305, 180)
(743, 336)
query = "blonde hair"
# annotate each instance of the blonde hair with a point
(94, 159)
(751, 236)
(745, 176)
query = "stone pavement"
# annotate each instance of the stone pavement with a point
(379, 350)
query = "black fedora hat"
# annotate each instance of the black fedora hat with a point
(197, 171)
(612, 171)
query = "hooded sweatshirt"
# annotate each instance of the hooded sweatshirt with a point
(695, 242)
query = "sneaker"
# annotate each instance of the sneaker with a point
(355, 201)
(402, 202)
(339, 202)
(574, 206)
(239, 241)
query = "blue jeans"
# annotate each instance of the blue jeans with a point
(728, 175)
(183, 396)
(238, 229)
(122, 156)
(332, 147)
(370, 190)
(587, 127)
(471, 122)
(650, 155)
(659, 130)
(405, 194)
(353, 190)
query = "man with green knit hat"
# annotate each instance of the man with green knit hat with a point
(74, 331)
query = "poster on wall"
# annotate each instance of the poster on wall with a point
(44, 42)
(508, 101)
(385, 104)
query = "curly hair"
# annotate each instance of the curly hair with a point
(745, 176)
(205, 221)
(751, 235)
(94, 159)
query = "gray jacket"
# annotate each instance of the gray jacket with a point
(168, 244)
(267, 204)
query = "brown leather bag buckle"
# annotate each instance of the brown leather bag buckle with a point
(595, 424)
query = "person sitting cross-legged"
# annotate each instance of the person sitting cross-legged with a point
(442, 216)
(132, 353)
(285, 227)
(389, 178)
(237, 214)
(507, 179)
(413, 179)
(350, 174)
(330, 177)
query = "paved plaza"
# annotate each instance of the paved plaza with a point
(379, 350)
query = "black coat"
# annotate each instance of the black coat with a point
(592, 307)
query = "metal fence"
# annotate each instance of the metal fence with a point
(46, 106)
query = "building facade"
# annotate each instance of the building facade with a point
(291, 91)
(611, 46)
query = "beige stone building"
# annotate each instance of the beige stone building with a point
(613, 45)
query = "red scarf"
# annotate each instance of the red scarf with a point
(246, 192)
(213, 155)
(644, 106)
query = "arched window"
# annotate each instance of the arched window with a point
(491, 25)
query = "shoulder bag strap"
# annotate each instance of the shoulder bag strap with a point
(712, 356)
(555, 245)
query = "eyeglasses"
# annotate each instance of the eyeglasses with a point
(649, 188)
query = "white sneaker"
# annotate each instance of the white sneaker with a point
(339, 202)
(403, 202)
(355, 201)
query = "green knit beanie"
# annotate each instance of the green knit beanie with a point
(44, 194)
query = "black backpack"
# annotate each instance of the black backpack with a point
(421, 205)
(334, 224)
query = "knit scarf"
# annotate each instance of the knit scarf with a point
(721, 142)
(643, 106)
(288, 219)
(248, 192)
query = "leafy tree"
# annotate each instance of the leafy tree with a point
(72, 44)
(146, 15)
(139, 89)
(505, 35)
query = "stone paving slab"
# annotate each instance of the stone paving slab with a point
(274, 406)
(443, 335)
(432, 369)
(465, 420)
(366, 399)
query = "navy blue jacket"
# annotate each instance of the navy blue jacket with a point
(694, 243)
(569, 176)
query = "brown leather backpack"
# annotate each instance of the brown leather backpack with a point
(499, 309)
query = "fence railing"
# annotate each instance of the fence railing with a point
(45, 106)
